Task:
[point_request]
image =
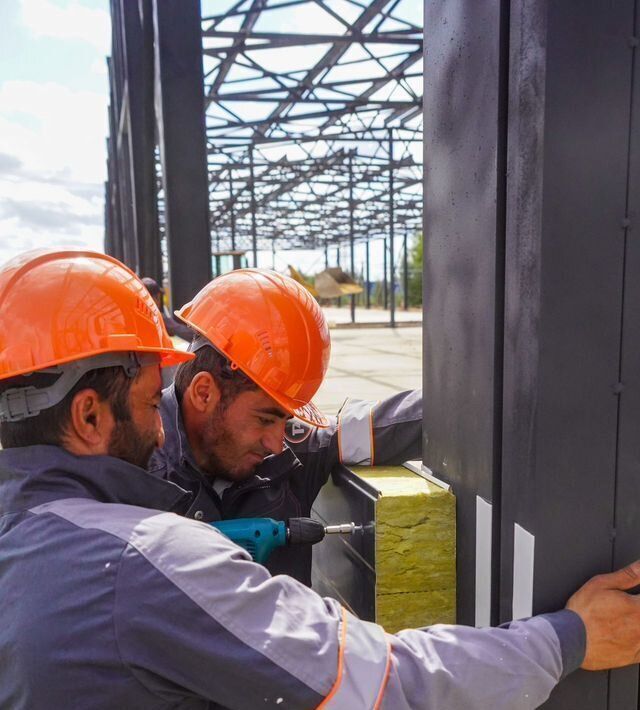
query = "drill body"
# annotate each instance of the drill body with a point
(261, 536)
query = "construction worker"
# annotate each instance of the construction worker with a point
(174, 327)
(262, 349)
(111, 600)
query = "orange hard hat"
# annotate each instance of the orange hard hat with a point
(59, 307)
(272, 329)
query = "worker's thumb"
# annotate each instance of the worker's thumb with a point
(625, 578)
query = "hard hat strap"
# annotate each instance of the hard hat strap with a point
(228, 369)
(21, 403)
(199, 342)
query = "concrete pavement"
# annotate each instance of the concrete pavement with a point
(371, 363)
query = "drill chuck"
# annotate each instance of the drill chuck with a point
(304, 530)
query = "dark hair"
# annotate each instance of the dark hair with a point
(230, 382)
(49, 427)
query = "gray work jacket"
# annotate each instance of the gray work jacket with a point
(109, 602)
(285, 485)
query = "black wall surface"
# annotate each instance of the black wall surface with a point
(532, 294)
(464, 230)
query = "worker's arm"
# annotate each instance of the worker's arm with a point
(384, 432)
(195, 617)
(364, 432)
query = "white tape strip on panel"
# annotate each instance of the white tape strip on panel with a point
(523, 559)
(484, 517)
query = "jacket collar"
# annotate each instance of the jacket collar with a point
(32, 475)
(176, 444)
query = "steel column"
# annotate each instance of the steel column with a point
(120, 121)
(115, 247)
(113, 238)
(232, 210)
(351, 237)
(392, 279)
(385, 283)
(338, 264)
(254, 235)
(181, 132)
(368, 275)
(137, 24)
(405, 286)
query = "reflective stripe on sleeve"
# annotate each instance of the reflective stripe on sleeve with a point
(363, 666)
(355, 433)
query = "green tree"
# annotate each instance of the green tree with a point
(415, 271)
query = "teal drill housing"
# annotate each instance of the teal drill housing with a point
(259, 536)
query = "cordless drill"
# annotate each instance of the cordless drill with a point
(261, 536)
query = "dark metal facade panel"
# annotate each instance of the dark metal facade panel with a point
(568, 147)
(624, 683)
(528, 29)
(462, 254)
(344, 567)
(181, 136)
(549, 421)
(582, 252)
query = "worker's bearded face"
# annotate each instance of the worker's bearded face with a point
(135, 438)
(131, 444)
(239, 434)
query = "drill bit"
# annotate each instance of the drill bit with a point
(343, 529)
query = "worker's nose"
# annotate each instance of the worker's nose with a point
(273, 440)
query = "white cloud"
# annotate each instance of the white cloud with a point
(16, 238)
(44, 18)
(52, 140)
(52, 166)
(99, 67)
(41, 214)
(54, 130)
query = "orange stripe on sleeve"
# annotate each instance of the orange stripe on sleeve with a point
(343, 642)
(339, 425)
(387, 672)
(373, 446)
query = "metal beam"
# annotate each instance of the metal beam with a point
(137, 22)
(351, 237)
(392, 275)
(181, 133)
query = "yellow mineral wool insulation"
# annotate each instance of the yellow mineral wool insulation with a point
(415, 548)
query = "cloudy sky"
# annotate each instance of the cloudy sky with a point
(53, 123)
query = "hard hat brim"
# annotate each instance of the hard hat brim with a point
(168, 358)
(310, 414)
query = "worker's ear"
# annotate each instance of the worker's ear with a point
(203, 393)
(90, 422)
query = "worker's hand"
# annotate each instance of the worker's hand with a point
(611, 617)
